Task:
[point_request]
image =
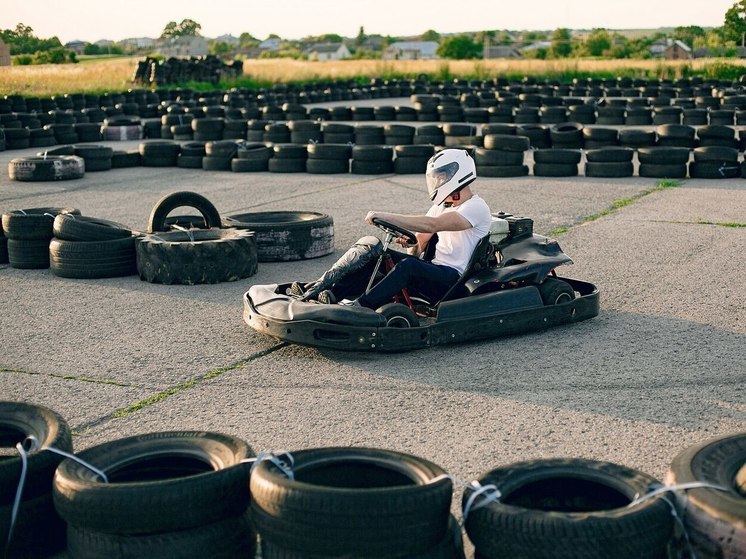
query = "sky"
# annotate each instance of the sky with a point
(92, 20)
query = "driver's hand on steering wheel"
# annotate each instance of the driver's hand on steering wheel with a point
(370, 217)
(404, 241)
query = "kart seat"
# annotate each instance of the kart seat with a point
(479, 261)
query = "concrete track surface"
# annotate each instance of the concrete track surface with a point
(662, 367)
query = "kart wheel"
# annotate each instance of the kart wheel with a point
(555, 291)
(399, 316)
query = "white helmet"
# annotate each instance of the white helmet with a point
(449, 171)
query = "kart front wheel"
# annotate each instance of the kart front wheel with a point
(399, 316)
(555, 291)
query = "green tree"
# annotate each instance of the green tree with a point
(187, 27)
(330, 38)
(22, 40)
(218, 47)
(734, 25)
(561, 43)
(360, 39)
(247, 41)
(459, 47)
(688, 33)
(430, 35)
(598, 42)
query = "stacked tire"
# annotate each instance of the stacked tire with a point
(328, 158)
(354, 502)
(556, 162)
(159, 153)
(251, 158)
(663, 162)
(714, 517)
(288, 158)
(193, 256)
(172, 495)
(567, 509)
(502, 156)
(96, 158)
(38, 530)
(715, 162)
(89, 248)
(219, 154)
(190, 155)
(412, 159)
(372, 160)
(29, 232)
(609, 162)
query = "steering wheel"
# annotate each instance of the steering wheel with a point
(395, 230)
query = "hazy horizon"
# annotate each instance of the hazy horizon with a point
(91, 21)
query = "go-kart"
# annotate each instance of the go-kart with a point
(510, 286)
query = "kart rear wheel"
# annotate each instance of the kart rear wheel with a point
(555, 291)
(399, 316)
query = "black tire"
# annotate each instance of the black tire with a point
(213, 163)
(554, 291)
(39, 531)
(284, 236)
(287, 165)
(254, 152)
(502, 171)
(425, 151)
(158, 482)
(327, 166)
(450, 547)
(221, 148)
(32, 223)
(557, 156)
(189, 161)
(715, 170)
(92, 259)
(193, 149)
(372, 153)
(659, 171)
(410, 165)
(290, 151)
(329, 151)
(609, 170)
(715, 153)
(398, 316)
(355, 502)
(485, 156)
(3, 250)
(568, 135)
(570, 509)
(164, 206)
(609, 155)
(506, 142)
(715, 520)
(17, 421)
(555, 170)
(249, 165)
(226, 539)
(196, 257)
(372, 167)
(125, 159)
(69, 227)
(90, 151)
(636, 138)
(28, 254)
(50, 168)
(663, 155)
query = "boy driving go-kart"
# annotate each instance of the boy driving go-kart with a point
(460, 218)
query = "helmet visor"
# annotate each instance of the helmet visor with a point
(438, 177)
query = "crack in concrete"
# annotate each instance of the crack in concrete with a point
(66, 377)
(168, 392)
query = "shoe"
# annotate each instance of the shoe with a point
(326, 297)
(296, 290)
(350, 303)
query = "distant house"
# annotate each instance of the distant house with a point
(327, 51)
(230, 39)
(183, 47)
(104, 43)
(536, 46)
(76, 46)
(4, 54)
(273, 43)
(501, 51)
(137, 43)
(411, 50)
(678, 50)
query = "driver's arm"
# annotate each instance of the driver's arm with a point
(447, 221)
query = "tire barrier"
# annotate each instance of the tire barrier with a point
(171, 494)
(164, 206)
(176, 70)
(353, 502)
(46, 168)
(286, 236)
(35, 530)
(174, 494)
(28, 233)
(713, 511)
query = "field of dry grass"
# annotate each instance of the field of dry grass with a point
(98, 76)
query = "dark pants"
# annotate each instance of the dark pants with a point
(426, 279)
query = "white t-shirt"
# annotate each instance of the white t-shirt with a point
(455, 248)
